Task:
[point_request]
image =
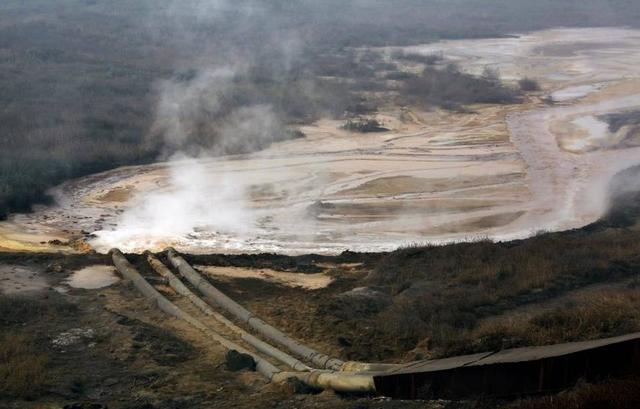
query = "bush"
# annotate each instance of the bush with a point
(529, 85)
(18, 311)
(364, 125)
(399, 75)
(451, 87)
(620, 119)
(427, 59)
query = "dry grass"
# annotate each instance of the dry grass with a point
(23, 369)
(444, 297)
(599, 315)
(16, 310)
(614, 394)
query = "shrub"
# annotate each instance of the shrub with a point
(399, 75)
(364, 125)
(529, 85)
(620, 119)
(427, 59)
(451, 87)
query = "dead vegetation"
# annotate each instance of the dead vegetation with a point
(442, 297)
(612, 394)
(618, 120)
(23, 368)
(441, 293)
(626, 125)
(529, 85)
(427, 59)
(603, 314)
(364, 125)
(19, 310)
(449, 87)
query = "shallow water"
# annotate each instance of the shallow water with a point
(597, 131)
(572, 93)
(93, 277)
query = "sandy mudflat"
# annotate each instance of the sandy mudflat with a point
(306, 281)
(501, 172)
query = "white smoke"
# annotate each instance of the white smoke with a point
(248, 129)
(191, 201)
(182, 103)
(200, 116)
(199, 195)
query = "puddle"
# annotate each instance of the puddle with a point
(572, 93)
(307, 281)
(597, 134)
(597, 129)
(93, 277)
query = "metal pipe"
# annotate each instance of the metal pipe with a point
(317, 358)
(128, 271)
(320, 379)
(354, 366)
(337, 381)
(258, 344)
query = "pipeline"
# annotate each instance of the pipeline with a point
(355, 366)
(261, 346)
(128, 271)
(336, 381)
(319, 379)
(258, 344)
(265, 329)
(317, 358)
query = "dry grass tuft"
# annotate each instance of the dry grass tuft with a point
(614, 394)
(450, 297)
(606, 314)
(23, 370)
